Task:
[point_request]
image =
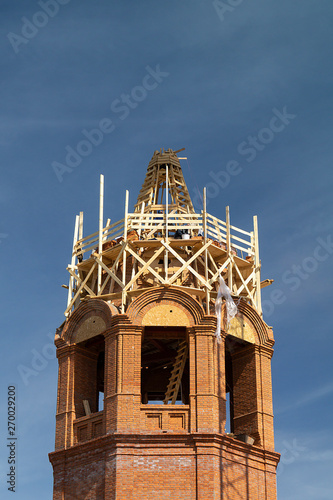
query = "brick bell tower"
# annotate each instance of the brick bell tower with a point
(158, 354)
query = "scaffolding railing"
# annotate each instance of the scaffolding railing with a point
(151, 225)
(215, 247)
(89, 243)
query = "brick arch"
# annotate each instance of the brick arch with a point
(262, 332)
(168, 295)
(88, 309)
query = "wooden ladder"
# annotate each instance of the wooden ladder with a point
(176, 374)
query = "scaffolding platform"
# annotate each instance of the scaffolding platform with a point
(163, 243)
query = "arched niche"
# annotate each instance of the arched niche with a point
(248, 326)
(90, 319)
(167, 306)
(166, 315)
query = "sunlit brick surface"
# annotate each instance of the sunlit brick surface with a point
(130, 450)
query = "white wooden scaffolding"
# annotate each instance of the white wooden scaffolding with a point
(163, 243)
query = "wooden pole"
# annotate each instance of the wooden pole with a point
(142, 212)
(80, 255)
(71, 279)
(257, 263)
(166, 201)
(123, 299)
(166, 254)
(105, 232)
(206, 251)
(81, 226)
(100, 230)
(227, 220)
(155, 200)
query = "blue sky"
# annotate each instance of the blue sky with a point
(248, 85)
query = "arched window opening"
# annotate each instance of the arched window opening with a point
(229, 427)
(100, 379)
(89, 376)
(164, 366)
(240, 387)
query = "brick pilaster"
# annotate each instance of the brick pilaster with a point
(207, 381)
(123, 376)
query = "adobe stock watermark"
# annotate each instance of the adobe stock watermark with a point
(31, 27)
(38, 362)
(248, 148)
(121, 107)
(289, 454)
(294, 276)
(223, 8)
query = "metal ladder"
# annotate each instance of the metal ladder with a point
(176, 374)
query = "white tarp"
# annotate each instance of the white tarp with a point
(224, 293)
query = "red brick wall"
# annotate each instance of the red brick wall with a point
(138, 467)
(172, 451)
(85, 381)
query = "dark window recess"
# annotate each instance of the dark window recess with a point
(159, 357)
(100, 379)
(229, 391)
(89, 386)
(235, 403)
